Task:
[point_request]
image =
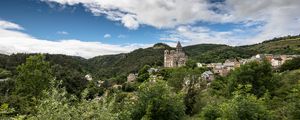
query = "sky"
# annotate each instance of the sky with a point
(89, 28)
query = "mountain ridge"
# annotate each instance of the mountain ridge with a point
(107, 66)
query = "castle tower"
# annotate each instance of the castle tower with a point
(178, 47)
(167, 58)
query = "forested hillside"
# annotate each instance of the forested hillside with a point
(108, 66)
(70, 69)
(112, 65)
(124, 63)
(282, 45)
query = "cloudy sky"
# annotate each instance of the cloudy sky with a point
(89, 28)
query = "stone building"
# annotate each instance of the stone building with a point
(208, 76)
(131, 77)
(175, 58)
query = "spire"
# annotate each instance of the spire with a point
(178, 47)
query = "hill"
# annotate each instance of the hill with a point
(114, 65)
(207, 53)
(108, 66)
(282, 45)
(70, 69)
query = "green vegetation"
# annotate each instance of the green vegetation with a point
(259, 75)
(208, 53)
(282, 45)
(157, 101)
(54, 87)
(290, 65)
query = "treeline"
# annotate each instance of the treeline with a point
(283, 38)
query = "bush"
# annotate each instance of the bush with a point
(156, 101)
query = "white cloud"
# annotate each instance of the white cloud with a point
(9, 25)
(272, 18)
(12, 41)
(157, 13)
(130, 22)
(261, 20)
(278, 17)
(107, 36)
(62, 32)
(122, 36)
(190, 35)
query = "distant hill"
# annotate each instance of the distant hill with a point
(108, 66)
(282, 45)
(208, 53)
(121, 64)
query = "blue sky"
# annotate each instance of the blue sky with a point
(47, 21)
(89, 28)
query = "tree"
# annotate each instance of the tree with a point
(143, 74)
(257, 74)
(33, 76)
(193, 86)
(189, 81)
(293, 103)
(175, 78)
(73, 80)
(57, 106)
(7, 85)
(243, 106)
(211, 112)
(191, 64)
(156, 101)
(290, 65)
(4, 73)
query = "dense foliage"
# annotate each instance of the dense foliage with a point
(290, 65)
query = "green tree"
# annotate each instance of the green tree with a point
(176, 76)
(257, 74)
(73, 80)
(4, 73)
(211, 112)
(56, 105)
(33, 76)
(143, 74)
(290, 65)
(242, 106)
(156, 101)
(5, 111)
(191, 64)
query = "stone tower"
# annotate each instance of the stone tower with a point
(175, 58)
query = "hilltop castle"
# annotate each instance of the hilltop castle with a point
(175, 58)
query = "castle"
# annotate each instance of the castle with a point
(175, 58)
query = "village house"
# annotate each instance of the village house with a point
(208, 76)
(100, 83)
(153, 70)
(131, 77)
(88, 77)
(201, 65)
(223, 69)
(275, 60)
